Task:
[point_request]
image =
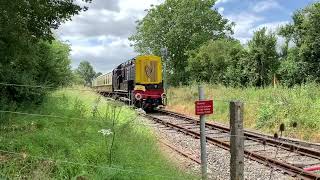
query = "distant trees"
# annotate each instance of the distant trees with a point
(180, 26)
(301, 62)
(217, 62)
(29, 53)
(227, 62)
(98, 74)
(86, 72)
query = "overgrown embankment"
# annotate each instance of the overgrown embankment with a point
(79, 135)
(265, 109)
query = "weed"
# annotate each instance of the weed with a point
(265, 108)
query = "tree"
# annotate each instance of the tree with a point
(262, 62)
(45, 64)
(292, 70)
(180, 26)
(304, 33)
(35, 19)
(85, 70)
(29, 54)
(54, 63)
(217, 62)
(98, 74)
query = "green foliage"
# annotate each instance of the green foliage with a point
(28, 52)
(265, 108)
(291, 70)
(54, 63)
(217, 62)
(34, 19)
(86, 72)
(98, 74)
(76, 139)
(227, 62)
(304, 33)
(180, 26)
(262, 62)
(77, 79)
(42, 63)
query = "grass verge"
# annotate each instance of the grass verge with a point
(85, 137)
(265, 109)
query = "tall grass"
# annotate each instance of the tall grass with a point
(75, 147)
(265, 108)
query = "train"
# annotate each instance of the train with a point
(137, 81)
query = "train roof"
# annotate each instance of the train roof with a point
(125, 63)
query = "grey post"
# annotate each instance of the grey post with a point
(203, 138)
(236, 141)
(164, 53)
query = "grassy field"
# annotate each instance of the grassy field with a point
(265, 109)
(91, 139)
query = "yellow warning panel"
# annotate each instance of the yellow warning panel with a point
(148, 70)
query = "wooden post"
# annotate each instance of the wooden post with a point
(236, 141)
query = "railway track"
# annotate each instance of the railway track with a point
(285, 155)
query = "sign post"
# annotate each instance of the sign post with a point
(203, 107)
(164, 53)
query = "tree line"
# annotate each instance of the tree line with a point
(30, 54)
(201, 47)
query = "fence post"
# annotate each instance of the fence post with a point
(236, 141)
(203, 139)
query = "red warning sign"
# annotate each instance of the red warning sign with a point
(204, 107)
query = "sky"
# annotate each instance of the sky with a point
(100, 35)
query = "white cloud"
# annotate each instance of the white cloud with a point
(100, 35)
(245, 22)
(248, 23)
(103, 56)
(271, 26)
(221, 10)
(222, 1)
(265, 5)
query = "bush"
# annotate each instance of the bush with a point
(43, 63)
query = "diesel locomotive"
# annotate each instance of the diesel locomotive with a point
(138, 80)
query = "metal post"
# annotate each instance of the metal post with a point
(164, 53)
(203, 138)
(236, 141)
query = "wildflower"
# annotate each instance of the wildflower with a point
(105, 132)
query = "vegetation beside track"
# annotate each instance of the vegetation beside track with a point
(70, 147)
(265, 108)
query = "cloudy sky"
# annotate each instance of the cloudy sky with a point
(100, 35)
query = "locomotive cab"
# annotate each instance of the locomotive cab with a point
(148, 88)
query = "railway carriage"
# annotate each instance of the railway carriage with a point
(139, 80)
(103, 83)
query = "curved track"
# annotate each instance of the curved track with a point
(286, 155)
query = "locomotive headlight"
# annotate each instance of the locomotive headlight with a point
(138, 96)
(163, 96)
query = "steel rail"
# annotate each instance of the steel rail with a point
(253, 136)
(183, 153)
(290, 169)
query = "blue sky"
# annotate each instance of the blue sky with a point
(100, 35)
(250, 15)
